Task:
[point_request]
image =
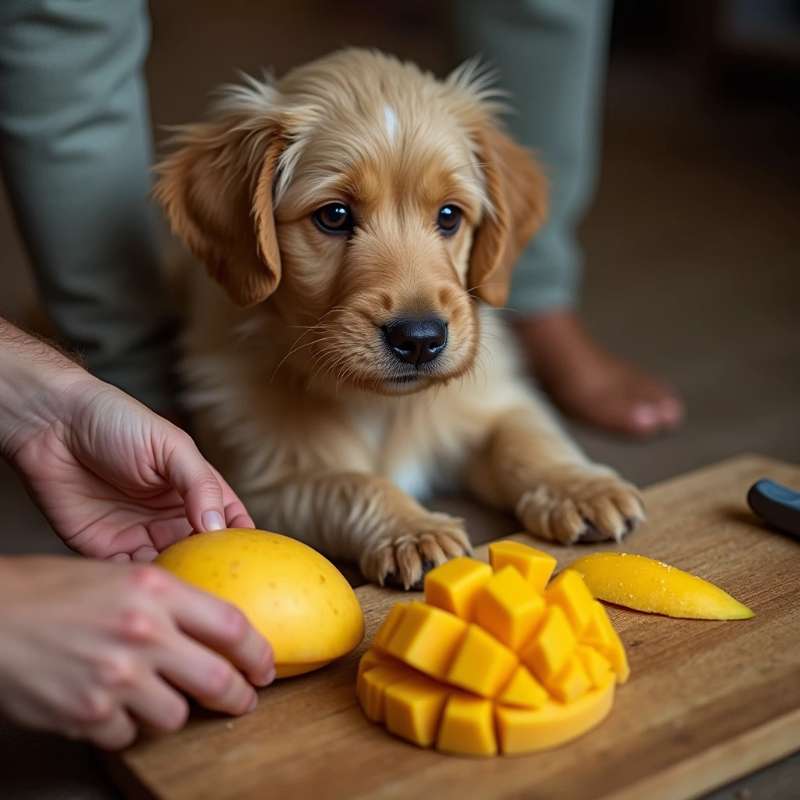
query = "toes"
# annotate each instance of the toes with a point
(395, 581)
(566, 523)
(409, 563)
(588, 513)
(431, 550)
(378, 564)
(629, 504)
(608, 518)
(402, 562)
(454, 544)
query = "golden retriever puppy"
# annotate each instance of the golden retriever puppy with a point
(361, 218)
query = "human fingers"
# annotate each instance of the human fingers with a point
(113, 733)
(155, 703)
(212, 680)
(195, 480)
(223, 628)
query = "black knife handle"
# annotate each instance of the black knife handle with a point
(777, 505)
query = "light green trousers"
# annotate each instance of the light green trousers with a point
(551, 57)
(75, 150)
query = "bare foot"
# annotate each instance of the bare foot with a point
(593, 385)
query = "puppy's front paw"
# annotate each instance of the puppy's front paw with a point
(576, 504)
(409, 548)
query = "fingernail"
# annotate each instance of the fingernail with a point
(213, 521)
(253, 703)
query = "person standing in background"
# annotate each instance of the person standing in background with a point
(551, 56)
(76, 151)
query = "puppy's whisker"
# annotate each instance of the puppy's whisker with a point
(296, 347)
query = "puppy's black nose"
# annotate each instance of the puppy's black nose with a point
(416, 340)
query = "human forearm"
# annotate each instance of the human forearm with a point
(113, 478)
(34, 378)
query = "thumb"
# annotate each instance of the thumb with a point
(196, 481)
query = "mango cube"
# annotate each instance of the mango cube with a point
(467, 727)
(389, 626)
(551, 646)
(534, 565)
(509, 607)
(482, 665)
(491, 663)
(597, 666)
(454, 585)
(571, 682)
(373, 658)
(426, 638)
(523, 690)
(609, 643)
(413, 708)
(596, 634)
(569, 591)
(523, 731)
(373, 685)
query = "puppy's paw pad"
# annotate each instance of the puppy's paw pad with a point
(577, 506)
(402, 557)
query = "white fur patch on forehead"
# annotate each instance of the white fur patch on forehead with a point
(390, 122)
(354, 91)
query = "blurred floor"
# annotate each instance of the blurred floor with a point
(693, 270)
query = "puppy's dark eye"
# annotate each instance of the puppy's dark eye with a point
(449, 219)
(334, 218)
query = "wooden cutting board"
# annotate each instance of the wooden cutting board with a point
(707, 701)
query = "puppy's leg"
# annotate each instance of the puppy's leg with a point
(529, 466)
(362, 518)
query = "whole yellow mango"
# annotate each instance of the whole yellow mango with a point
(645, 584)
(290, 593)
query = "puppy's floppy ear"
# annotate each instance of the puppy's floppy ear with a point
(216, 190)
(517, 191)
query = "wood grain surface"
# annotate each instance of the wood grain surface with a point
(707, 701)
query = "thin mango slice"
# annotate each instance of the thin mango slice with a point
(495, 661)
(645, 584)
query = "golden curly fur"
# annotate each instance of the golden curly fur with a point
(326, 435)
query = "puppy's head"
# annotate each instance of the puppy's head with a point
(371, 204)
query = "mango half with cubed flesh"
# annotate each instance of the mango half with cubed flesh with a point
(496, 660)
(290, 593)
(645, 584)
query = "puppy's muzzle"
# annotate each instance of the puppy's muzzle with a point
(415, 340)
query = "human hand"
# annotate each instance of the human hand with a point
(115, 480)
(95, 651)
